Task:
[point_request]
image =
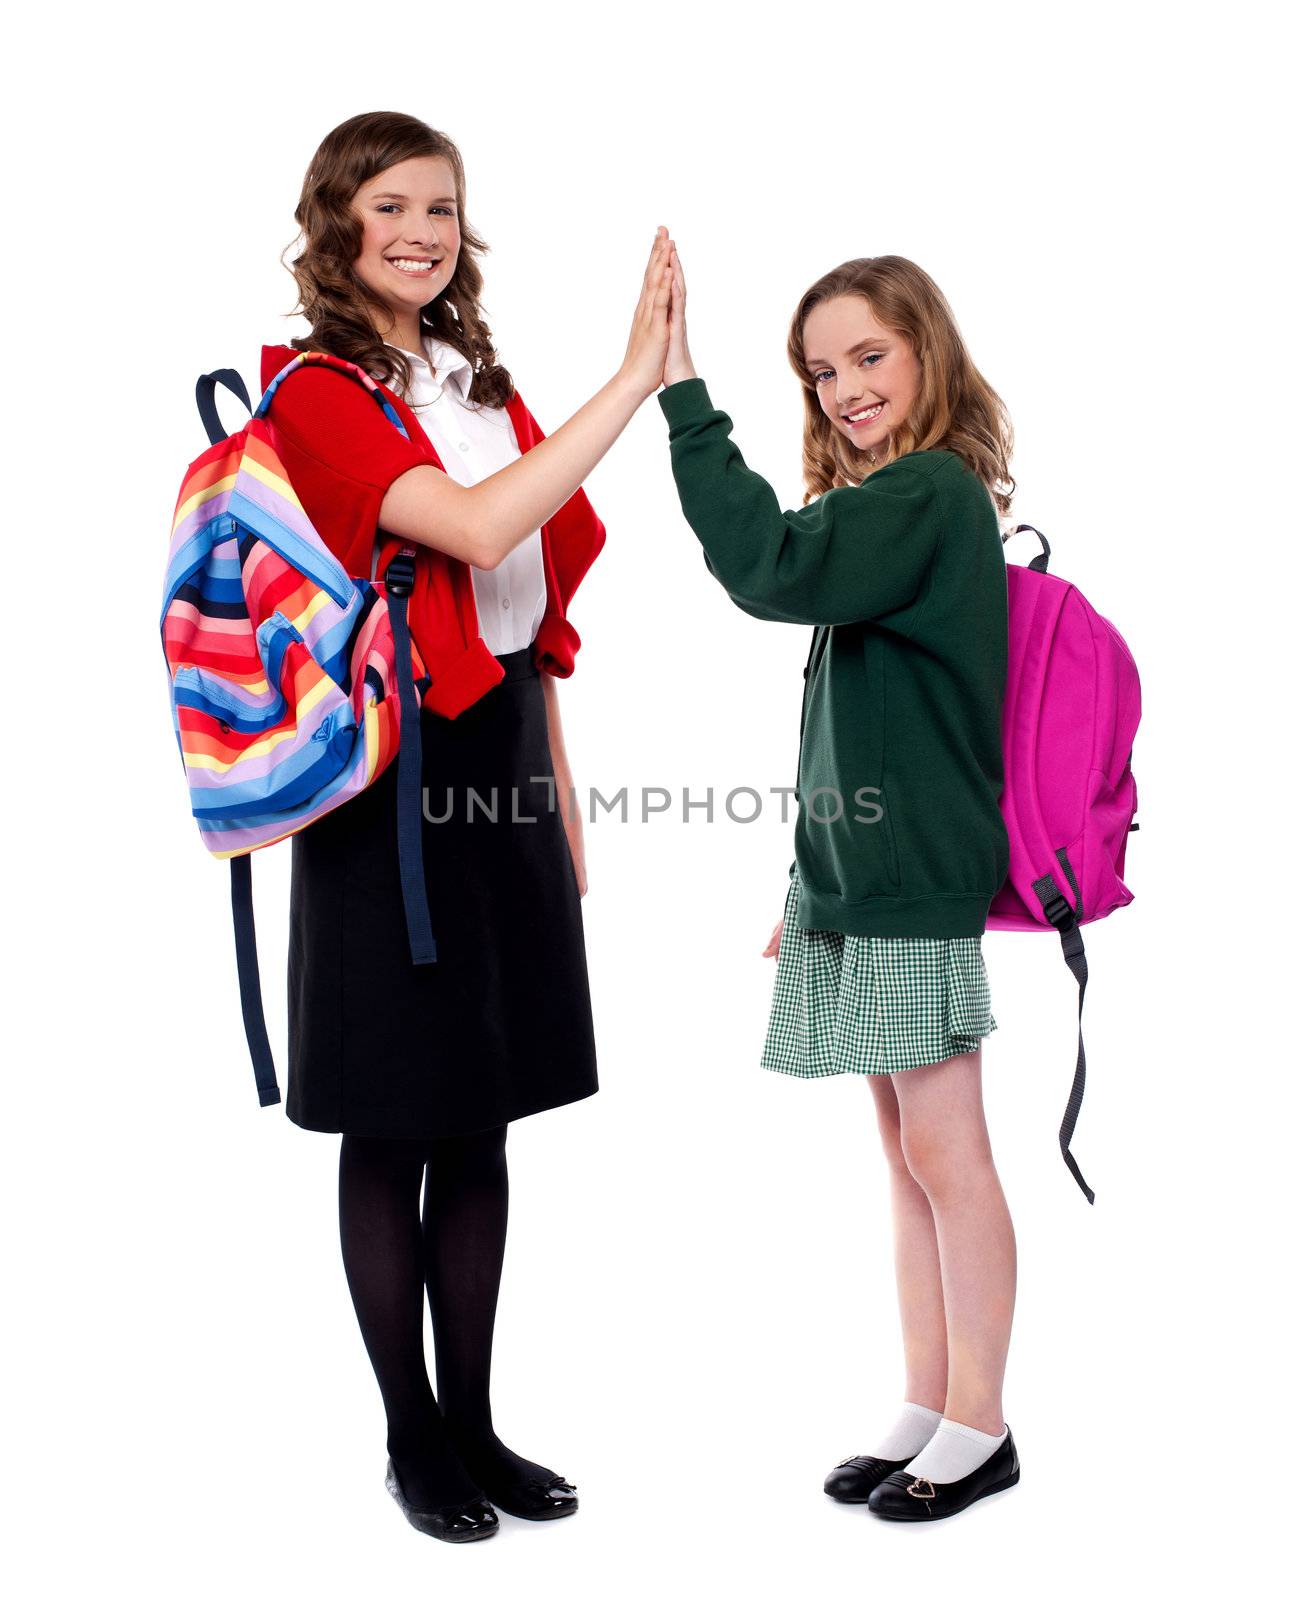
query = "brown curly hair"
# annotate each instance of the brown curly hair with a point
(955, 408)
(335, 301)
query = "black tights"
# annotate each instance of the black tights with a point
(443, 1454)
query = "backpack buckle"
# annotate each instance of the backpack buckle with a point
(399, 576)
(1060, 914)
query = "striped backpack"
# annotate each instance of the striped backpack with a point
(293, 685)
(1071, 709)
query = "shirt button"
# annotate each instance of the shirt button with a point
(505, 604)
(463, 444)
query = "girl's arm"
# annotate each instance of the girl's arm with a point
(482, 523)
(855, 553)
(679, 367)
(563, 785)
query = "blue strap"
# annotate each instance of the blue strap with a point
(205, 394)
(399, 579)
(423, 947)
(245, 946)
(418, 921)
(245, 928)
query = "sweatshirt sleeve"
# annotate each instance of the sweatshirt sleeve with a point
(857, 553)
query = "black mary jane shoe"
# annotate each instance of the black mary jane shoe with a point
(905, 1498)
(852, 1481)
(536, 1499)
(461, 1524)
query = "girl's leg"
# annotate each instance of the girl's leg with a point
(465, 1218)
(947, 1149)
(917, 1261)
(382, 1252)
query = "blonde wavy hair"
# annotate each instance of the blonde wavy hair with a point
(955, 409)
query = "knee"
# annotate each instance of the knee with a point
(469, 1160)
(946, 1169)
(893, 1149)
(889, 1127)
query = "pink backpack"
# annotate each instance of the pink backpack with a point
(1071, 708)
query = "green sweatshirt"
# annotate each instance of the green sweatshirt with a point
(900, 771)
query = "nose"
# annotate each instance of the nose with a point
(850, 391)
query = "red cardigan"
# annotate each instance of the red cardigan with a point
(342, 455)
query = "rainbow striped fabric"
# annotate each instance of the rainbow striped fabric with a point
(293, 685)
(283, 687)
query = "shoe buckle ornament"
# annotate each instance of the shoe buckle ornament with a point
(919, 1494)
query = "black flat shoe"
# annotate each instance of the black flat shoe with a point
(853, 1480)
(537, 1500)
(905, 1498)
(474, 1519)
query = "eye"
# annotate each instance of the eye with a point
(392, 205)
(824, 372)
(872, 358)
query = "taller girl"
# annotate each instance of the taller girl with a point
(422, 1068)
(897, 564)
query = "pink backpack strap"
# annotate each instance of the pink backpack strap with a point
(1026, 824)
(1061, 915)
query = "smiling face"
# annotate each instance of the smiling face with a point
(866, 376)
(411, 239)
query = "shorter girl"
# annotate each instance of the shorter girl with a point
(897, 564)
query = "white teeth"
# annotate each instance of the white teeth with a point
(861, 416)
(404, 264)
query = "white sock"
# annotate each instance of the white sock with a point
(909, 1433)
(953, 1452)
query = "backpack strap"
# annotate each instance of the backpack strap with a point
(423, 947)
(400, 582)
(1061, 916)
(245, 928)
(409, 764)
(1038, 563)
(399, 578)
(245, 950)
(1057, 909)
(205, 394)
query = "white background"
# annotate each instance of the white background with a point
(698, 1317)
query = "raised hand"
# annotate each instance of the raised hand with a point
(679, 363)
(647, 347)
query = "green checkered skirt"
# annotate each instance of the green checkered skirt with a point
(847, 1003)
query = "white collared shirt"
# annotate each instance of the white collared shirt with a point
(472, 442)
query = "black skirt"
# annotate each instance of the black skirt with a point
(500, 1026)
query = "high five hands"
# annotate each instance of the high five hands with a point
(658, 353)
(658, 350)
